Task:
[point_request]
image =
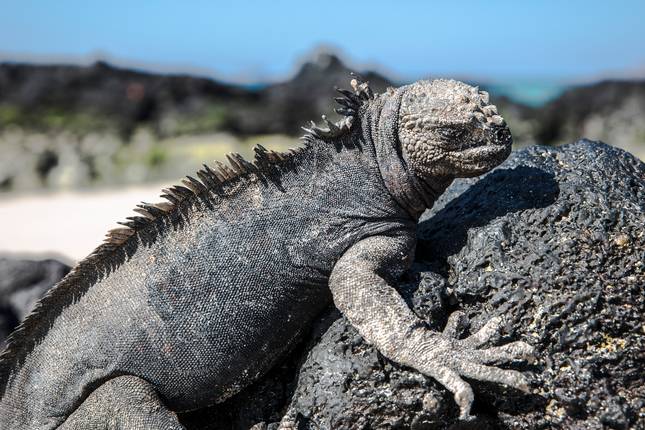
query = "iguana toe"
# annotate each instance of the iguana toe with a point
(506, 353)
(450, 359)
(457, 322)
(461, 390)
(486, 333)
(480, 372)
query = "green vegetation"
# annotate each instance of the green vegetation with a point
(156, 156)
(76, 122)
(9, 114)
(54, 119)
(206, 120)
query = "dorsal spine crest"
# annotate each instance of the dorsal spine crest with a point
(351, 103)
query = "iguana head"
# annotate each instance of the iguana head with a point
(448, 128)
(424, 134)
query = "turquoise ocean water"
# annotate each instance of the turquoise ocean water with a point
(533, 93)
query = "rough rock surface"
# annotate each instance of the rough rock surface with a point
(22, 283)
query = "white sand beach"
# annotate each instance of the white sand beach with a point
(66, 225)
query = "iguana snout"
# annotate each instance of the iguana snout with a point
(448, 128)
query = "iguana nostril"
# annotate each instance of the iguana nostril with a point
(502, 134)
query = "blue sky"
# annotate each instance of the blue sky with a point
(253, 40)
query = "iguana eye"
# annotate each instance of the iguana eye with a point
(450, 132)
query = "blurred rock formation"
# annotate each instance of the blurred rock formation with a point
(75, 126)
(22, 283)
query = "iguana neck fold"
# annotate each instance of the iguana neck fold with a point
(412, 192)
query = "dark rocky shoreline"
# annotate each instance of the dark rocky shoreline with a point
(124, 99)
(552, 240)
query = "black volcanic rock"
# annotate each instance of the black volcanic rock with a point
(113, 97)
(22, 283)
(310, 93)
(613, 103)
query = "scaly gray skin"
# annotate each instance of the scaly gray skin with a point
(203, 293)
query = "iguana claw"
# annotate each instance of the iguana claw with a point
(447, 359)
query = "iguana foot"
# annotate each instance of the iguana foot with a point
(447, 359)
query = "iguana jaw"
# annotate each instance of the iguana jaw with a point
(478, 160)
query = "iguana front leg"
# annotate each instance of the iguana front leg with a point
(360, 288)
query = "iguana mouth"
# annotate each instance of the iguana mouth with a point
(499, 140)
(484, 151)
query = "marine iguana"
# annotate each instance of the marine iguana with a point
(200, 295)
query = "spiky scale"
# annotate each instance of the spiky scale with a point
(141, 210)
(164, 206)
(118, 235)
(350, 95)
(121, 231)
(261, 155)
(129, 224)
(219, 176)
(135, 222)
(172, 196)
(346, 102)
(237, 167)
(361, 87)
(276, 156)
(181, 191)
(152, 209)
(196, 186)
(345, 112)
(209, 179)
(115, 239)
(245, 165)
(208, 170)
(224, 170)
